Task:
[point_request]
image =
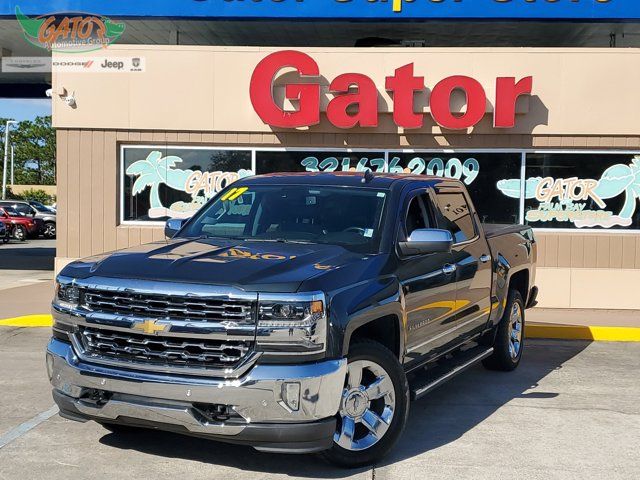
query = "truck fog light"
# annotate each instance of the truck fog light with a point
(50, 366)
(291, 395)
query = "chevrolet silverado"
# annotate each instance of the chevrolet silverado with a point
(294, 313)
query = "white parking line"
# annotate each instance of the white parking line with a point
(23, 428)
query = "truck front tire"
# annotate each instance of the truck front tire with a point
(373, 409)
(509, 339)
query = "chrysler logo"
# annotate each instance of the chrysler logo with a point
(150, 327)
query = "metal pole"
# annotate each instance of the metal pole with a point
(12, 181)
(6, 152)
(4, 168)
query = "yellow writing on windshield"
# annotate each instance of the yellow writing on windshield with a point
(234, 193)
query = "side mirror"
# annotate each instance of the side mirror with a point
(172, 226)
(427, 240)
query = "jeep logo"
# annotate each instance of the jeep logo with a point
(114, 65)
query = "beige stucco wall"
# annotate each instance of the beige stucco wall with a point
(575, 91)
(584, 99)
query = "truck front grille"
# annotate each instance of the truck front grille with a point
(163, 351)
(168, 306)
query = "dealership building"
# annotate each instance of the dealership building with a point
(534, 106)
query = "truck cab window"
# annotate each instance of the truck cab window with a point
(455, 215)
(416, 216)
(321, 214)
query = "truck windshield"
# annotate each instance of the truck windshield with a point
(349, 217)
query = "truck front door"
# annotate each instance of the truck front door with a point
(428, 281)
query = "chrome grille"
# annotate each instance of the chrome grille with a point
(168, 306)
(166, 351)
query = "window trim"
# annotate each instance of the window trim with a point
(254, 149)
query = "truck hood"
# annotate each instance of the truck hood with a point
(249, 265)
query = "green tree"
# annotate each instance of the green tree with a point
(34, 143)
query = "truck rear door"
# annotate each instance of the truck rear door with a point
(472, 260)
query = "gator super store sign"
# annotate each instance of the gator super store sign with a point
(590, 10)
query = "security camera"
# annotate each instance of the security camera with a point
(49, 92)
(70, 100)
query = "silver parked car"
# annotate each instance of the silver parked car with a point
(36, 210)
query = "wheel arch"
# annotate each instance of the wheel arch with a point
(381, 323)
(507, 278)
(520, 281)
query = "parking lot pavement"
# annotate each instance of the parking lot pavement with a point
(24, 387)
(26, 277)
(570, 411)
(25, 263)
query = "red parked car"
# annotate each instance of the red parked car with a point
(20, 227)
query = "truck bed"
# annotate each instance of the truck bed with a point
(492, 230)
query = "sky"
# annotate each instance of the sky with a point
(24, 108)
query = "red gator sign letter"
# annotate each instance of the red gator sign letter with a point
(355, 101)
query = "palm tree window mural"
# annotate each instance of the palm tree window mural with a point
(161, 183)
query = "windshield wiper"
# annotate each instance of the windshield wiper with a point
(242, 239)
(278, 240)
(302, 242)
(252, 239)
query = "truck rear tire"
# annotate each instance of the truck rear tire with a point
(509, 341)
(374, 406)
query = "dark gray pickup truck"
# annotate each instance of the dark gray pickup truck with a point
(294, 313)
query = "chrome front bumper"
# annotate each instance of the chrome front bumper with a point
(163, 400)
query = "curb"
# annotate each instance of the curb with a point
(44, 320)
(532, 330)
(579, 332)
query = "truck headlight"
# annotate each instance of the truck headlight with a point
(292, 324)
(67, 294)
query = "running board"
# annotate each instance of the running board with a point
(438, 375)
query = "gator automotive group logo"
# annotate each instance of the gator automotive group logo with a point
(69, 32)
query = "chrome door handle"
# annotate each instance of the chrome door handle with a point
(448, 269)
(485, 258)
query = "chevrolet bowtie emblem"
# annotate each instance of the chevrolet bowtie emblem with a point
(150, 327)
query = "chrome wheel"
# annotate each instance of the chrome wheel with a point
(20, 233)
(367, 406)
(49, 230)
(515, 330)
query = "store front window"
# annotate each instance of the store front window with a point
(160, 183)
(562, 190)
(582, 190)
